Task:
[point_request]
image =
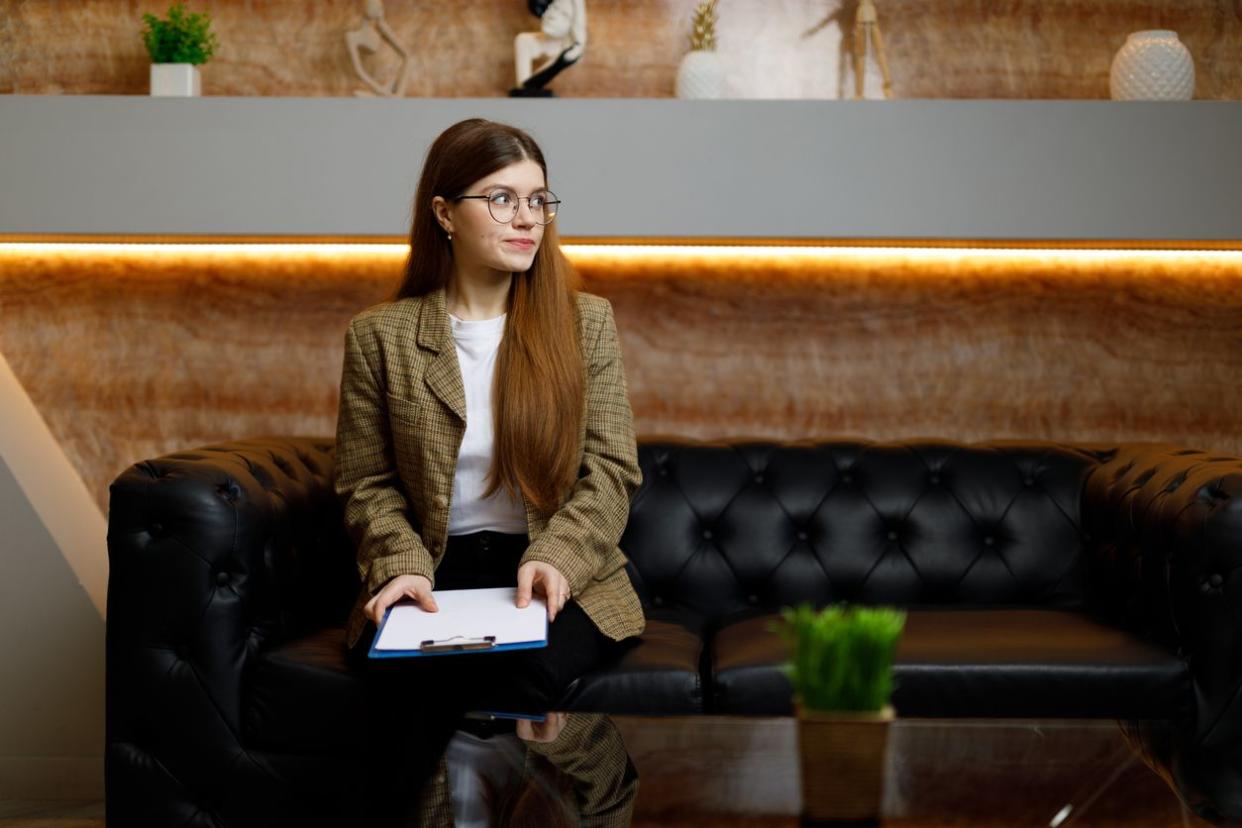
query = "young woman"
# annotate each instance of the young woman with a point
(484, 438)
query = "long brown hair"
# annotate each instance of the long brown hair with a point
(537, 393)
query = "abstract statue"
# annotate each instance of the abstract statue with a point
(562, 37)
(367, 38)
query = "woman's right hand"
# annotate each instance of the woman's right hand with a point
(417, 587)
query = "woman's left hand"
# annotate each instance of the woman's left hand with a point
(548, 580)
(545, 731)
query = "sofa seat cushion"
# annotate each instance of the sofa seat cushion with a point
(975, 662)
(302, 695)
(657, 674)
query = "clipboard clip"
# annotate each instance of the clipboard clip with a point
(432, 645)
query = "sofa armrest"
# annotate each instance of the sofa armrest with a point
(1164, 529)
(213, 554)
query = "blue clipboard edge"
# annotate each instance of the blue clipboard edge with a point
(533, 717)
(375, 653)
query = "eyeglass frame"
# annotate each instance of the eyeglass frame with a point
(517, 204)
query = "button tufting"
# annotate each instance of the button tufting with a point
(892, 534)
(989, 540)
(802, 536)
(752, 599)
(707, 533)
(758, 478)
(156, 528)
(663, 472)
(935, 478)
(222, 577)
(1216, 581)
(847, 478)
(1029, 481)
(658, 601)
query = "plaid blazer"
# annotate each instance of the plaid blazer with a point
(400, 424)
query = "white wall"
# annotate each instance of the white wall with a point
(53, 595)
(52, 645)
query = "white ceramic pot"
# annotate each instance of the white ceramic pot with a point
(176, 79)
(701, 75)
(1152, 65)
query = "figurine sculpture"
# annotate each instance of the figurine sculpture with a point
(562, 36)
(867, 23)
(367, 38)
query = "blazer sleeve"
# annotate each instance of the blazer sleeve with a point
(366, 480)
(585, 530)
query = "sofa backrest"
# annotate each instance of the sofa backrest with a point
(714, 529)
(718, 528)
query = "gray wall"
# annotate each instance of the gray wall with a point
(634, 167)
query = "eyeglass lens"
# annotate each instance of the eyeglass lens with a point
(503, 205)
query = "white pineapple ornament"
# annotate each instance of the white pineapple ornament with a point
(701, 73)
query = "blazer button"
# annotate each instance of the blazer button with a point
(441, 501)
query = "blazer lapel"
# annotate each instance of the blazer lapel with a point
(443, 374)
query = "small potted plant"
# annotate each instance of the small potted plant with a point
(177, 46)
(841, 671)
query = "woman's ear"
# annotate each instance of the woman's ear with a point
(439, 207)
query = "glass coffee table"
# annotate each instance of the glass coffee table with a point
(571, 768)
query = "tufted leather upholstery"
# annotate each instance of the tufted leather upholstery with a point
(1042, 579)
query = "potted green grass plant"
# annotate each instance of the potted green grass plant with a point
(177, 46)
(841, 670)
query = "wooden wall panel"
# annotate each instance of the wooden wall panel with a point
(132, 355)
(773, 48)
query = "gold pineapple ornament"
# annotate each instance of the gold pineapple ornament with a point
(701, 73)
(703, 31)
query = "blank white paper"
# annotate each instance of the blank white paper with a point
(468, 613)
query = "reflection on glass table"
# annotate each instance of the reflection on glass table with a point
(594, 769)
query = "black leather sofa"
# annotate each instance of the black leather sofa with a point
(1041, 578)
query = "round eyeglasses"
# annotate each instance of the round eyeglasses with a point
(503, 204)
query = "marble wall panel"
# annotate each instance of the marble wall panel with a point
(130, 354)
(772, 48)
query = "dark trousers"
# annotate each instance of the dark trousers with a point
(415, 704)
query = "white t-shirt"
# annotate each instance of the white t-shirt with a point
(500, 761)
(477, 341)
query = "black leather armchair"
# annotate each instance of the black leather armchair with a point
(1041, 578)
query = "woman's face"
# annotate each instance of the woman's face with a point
(480, 240)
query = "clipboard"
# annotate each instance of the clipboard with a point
(482, 620)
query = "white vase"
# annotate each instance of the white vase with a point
(176, 79)
(701, 75)
(1152, 65)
